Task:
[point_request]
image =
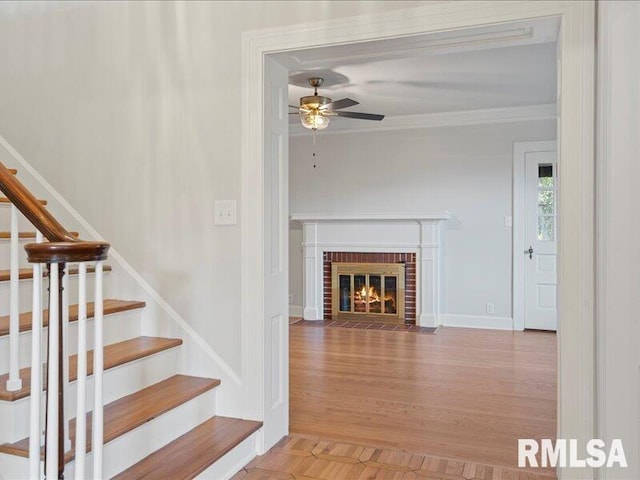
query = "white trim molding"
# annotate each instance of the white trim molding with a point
(476, 321)
(520, 150)
(437, 120)
(358, 217)
(576, 62)
(618, 232)
(295, 310)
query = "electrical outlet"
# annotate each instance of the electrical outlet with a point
(491, 308)
(226, 212)
(508, 221)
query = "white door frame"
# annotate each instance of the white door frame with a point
(520, 149)
(575, 165)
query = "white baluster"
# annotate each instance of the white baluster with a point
(65, 356)
(40, 239)
(81, 419)
(51, 468)
(15, 382)
(98, 364)
(35, 427)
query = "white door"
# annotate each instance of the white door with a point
(540, 247)
(276, 267)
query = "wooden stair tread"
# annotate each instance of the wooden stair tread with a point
(192, 453)
(125, 414)
(114, 355)
(27, 235)
(27, 273)
(110, 306)
(6, 200)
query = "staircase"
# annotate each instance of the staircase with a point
(155, 421)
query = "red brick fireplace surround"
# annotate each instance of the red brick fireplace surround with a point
(409, 260)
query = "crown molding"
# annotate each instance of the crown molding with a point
(436, 120)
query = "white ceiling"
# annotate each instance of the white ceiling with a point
(510, 65)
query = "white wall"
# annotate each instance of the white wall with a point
(131, 110)
(466, 170)
(618, 237)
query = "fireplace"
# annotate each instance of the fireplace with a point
(409, 239)
(371, 291)
(368, 271)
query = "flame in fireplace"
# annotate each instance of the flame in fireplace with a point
(371, 295)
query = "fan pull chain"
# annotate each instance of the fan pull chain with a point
(315, 144)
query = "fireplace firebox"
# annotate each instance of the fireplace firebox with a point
(371, 291)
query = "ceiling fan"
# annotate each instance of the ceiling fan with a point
(315, 110)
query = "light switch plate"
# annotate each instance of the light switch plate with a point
(226, 212)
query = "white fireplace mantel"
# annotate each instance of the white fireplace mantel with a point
(386, 233)
(359, 217)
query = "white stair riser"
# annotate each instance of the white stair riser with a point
(232, 462)
(117, 327)
(118, 382)
(130, 448)
(13, 467)
(25, 292)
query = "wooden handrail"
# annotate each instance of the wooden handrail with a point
(62, 246)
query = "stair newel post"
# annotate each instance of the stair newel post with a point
(15, 382)
(81, 419)
(98, 367)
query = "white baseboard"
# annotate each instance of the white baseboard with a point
(295, 310)
(476, 321)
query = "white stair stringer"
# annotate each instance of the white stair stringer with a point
(233, 461)
(118, 382)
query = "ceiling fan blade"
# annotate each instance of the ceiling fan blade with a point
(342, 103)
(361, 116)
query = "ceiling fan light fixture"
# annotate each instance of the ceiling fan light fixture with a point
(314, 121)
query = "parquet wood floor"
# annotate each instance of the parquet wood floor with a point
(462, 394)
(306, 458)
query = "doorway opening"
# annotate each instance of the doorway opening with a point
(575, 160)
(460, 171)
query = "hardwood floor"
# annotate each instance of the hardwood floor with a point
(461, 394)
(304, 458)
